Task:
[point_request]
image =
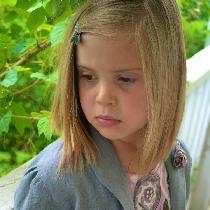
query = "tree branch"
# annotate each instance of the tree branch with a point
(28, 87)
(28, 55)
(26, 117)
(41, 46)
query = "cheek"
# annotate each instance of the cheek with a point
(138, 103)
(82, 97)
(144, 103)
(85, 99)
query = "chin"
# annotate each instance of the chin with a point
(110, 135)
(104, 134)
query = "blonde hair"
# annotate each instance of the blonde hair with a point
(155, 26)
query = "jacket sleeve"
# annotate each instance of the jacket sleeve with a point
(31, 192)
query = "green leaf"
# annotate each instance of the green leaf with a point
(42, 114)
(35, 19)
(57, 33)
(22, 45)
(67, 13)
(22, 69)
(5, 121)
(36, 6)
(48, 8)
(25, 4)
(19, 123)
(10, 78)
(58, 7)
(39, 75)
(51, 78)
(44, 128)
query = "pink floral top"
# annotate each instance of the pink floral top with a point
(151, 192)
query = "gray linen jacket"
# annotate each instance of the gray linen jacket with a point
(100, 187)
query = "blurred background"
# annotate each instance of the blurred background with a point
(30, 30)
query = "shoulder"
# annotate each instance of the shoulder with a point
(46, 162)
(179, 158)
(49, 156)
(179, 164)
(39, 180)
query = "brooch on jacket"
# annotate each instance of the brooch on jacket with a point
(180, 157)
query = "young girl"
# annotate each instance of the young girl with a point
(118, 106)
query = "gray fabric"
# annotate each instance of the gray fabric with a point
(100, 187)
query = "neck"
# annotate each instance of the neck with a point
(128, 155)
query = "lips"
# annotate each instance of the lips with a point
(106, 117)
(107, 121)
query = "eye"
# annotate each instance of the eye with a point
(88, 77)
(127, 80)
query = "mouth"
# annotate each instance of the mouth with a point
(107, 121)
(106, 117)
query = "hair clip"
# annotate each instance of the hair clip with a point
(180, 157)
(76, 34)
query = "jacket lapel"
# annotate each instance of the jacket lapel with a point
(109, 171)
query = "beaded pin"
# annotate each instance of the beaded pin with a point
(180, 158)
(76, 38)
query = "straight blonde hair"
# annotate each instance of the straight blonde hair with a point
(155, 26)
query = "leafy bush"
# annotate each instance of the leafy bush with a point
(29, 31)
(195, 15)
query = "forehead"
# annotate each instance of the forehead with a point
(107, 53)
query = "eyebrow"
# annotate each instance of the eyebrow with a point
(116, 70)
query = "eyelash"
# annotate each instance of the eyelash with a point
(86, 76)
(126, 80)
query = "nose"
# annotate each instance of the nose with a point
(105, 94)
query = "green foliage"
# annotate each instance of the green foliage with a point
(25, 4)
(195, 17)
(29, 31)
(57, 32)
(20, 124)
(35, 19)
(43, 123)
(5, 121)
(10, 78)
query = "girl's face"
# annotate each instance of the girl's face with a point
(111, 87)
